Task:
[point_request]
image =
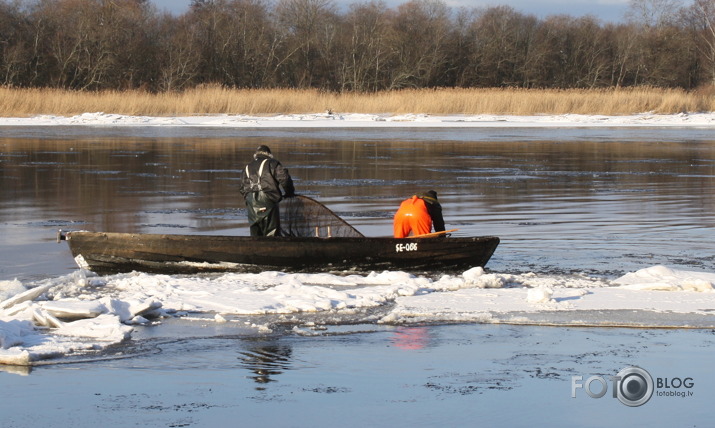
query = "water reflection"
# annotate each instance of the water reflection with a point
(17, 370)
(412, 338)
(266, 359)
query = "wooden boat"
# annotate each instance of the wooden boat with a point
(107, 253)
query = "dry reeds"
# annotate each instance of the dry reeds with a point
(219, 100)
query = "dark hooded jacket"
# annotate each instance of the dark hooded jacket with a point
(434, 209)
(272, 176)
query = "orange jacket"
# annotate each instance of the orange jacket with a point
(412, 216)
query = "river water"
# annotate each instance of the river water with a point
(600, 201)
(595, 200)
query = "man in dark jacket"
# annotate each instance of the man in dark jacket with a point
(260, 188)
(417, 215)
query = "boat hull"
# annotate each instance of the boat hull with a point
(108, 253)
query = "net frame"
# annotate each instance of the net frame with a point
(302, 216)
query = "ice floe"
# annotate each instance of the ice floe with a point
(82, 312)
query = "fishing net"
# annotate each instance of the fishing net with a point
(305, 217)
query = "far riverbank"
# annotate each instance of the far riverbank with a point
(214, 100)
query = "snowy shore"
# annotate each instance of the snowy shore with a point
(327, 120)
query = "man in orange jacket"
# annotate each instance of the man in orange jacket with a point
(417, 214)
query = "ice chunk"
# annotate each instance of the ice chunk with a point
(694, 284)
(15, 357)
(106, 327)
(30, 294)
(539, 295)
(12, 332)
(139, 320)
(74, 309)
(473, 274)
(128, 309)
(44, 318)
(665, 279)
(10, 288)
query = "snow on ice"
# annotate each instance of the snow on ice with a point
(80, 311)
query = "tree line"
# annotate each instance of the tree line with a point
(129, 44)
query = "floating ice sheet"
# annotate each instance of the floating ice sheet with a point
(81, 312)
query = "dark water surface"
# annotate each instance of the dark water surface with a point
(599, 201)
(605, 202)
(477, 375)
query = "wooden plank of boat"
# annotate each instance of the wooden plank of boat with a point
(433, 234)
(106, 253)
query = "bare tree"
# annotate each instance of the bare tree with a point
(178, 56)
(623, 43)
(573, 53)
(653, 13)
(119, 44)
(502, 46)
(665, 54)
(256, 51)
(366, 52)
(309, 29)
(701, 17)
(15, 52)
(94, 44)
(236, 40)
(421, 28)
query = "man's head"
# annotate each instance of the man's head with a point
(263, 150)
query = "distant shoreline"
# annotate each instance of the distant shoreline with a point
(363, 120)
(216, 100)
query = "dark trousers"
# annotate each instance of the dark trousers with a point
(263, 214)
(266, 223)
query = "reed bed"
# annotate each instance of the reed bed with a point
(218, 100)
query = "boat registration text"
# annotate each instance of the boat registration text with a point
(411, 246)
